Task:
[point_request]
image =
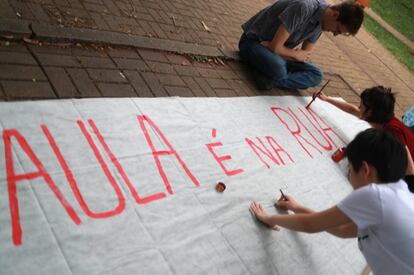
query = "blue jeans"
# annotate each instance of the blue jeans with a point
(285, 74)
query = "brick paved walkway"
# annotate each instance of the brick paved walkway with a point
(34, 72)
(42, 72)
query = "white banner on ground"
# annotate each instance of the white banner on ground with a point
(127, 186)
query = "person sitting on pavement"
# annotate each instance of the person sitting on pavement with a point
(379, 212)
(377, 108)
(271, 36)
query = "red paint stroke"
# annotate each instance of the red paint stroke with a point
(121, 171)
(296, 133)
(157, 154)
(278, 149)
(328, 146)
(71, 179)
(12, 180)
(263, 150)
(325, 127)
(221, 159)
(214, 132)
(306, 128)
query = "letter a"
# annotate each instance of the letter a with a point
(13, 178)
(156, 154)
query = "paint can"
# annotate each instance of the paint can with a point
(339, 154)
(220, 187)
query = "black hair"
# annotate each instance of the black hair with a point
(409, 179)
(379, 104)
(351, 15)
(380, 149)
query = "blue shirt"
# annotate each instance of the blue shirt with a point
(301, 18)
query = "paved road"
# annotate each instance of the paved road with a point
(33, 71)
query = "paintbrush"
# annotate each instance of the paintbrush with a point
(317, 94)
(283, 195)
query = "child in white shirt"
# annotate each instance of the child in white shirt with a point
(379, 212)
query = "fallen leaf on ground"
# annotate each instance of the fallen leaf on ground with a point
(205, 26)
(30, 41)
(5, 36)
(220, 61)
(62, 44)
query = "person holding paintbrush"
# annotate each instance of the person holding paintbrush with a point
(379, 212)
(377, 108)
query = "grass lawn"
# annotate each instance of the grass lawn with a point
(400, 50)
(397, 13)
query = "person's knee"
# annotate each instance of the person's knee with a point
(247, 50)
(244, 46)
(242, 54)
(260, 58)
(276, 68)
(278, 72)
(317, 76)
(243, 50)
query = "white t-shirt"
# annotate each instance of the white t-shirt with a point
(384, 215)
